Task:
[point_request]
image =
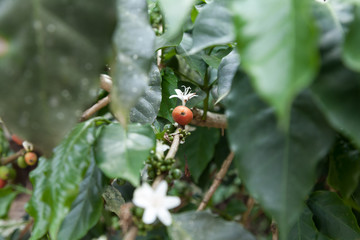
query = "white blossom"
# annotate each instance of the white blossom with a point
(155, 202)
(184, 96)
(28, 146)
(321, 1)
(160, 149)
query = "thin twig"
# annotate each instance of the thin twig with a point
(249, 206)
(105, 82)
(96, 107)
(274, 230)
(214, 120)
(13, 157)
(131, 234)
(218, 178)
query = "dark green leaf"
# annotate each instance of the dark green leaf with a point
(227, 70)
(281, 60)
(168, 85)
(332, 217)
(164, 41)
(7, 195)
(351, 53)
(113, 199)
(58, 186)
(213, 26)
(198, 150)
(87, 207)
(277, 167)
(134, 41)
(344, 169)
(147, 107)
(204, 226)
(52, 53)
(121, 153)
(304, 229)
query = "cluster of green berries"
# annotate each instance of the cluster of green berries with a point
(157, 167)
(183, 134)
(28, 159)
(137, 214)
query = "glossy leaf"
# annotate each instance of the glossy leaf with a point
(168, 85)
(61, 179)
(7, 195)
(198, 150)
(147, 107)
(282, 60)
(227, 70)
(87, 207)
(203, 226)
(332, 217)
(213, 26)
(135, 44)
(121, 153)
(351, 53)
(305, 228)
(277, 167)
(175, 13)
(52, 53)
(344, 168)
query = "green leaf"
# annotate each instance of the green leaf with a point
(113, 199)
(121, 153)
(351, 53)
(344, 168)
(175, 12)
(203, 226)
(52, 53)
(147, 107)
(282, 60)
(168, 85)
(304, 229)
(227, 70)
(199, 149)
(134, 41)
(165, 41)
(58, 185)
(7, 195)
(332, 217)
(38, 207)
(213, 26)
(87, 207)
(277, 167)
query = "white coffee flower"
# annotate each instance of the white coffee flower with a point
(155, 202)
(28, 146)
(160, 149)
(184, 96)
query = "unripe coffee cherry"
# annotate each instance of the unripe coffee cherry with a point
(182, 115)
(21, 162)
(30, 158)
(4, 173)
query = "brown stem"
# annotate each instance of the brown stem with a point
(274, 230)
(13, 157)
(250, 204)
(131, 234)
(105, 82)
(214, 120)
(174, 145)
(218, 178)
(96, 107)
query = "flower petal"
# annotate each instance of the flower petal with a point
(179, 92)
(164, 216)
(161, 189)
(171, 202)
(143, 195)
(172, 96)
(149, 215)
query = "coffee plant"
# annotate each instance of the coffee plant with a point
(191, 119)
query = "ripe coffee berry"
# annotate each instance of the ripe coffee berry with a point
(30, 158)
(182, 115)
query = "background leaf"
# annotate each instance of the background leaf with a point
(52, 55)
(134, 41)
(168, 85)
(121, 153)
(289, 42)
(198, 150)
(277, 167)
(333, 218)
(7, 195)
(87, 207)
(305, 228)
(147, 107)
(351, 53)
(208, 226)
